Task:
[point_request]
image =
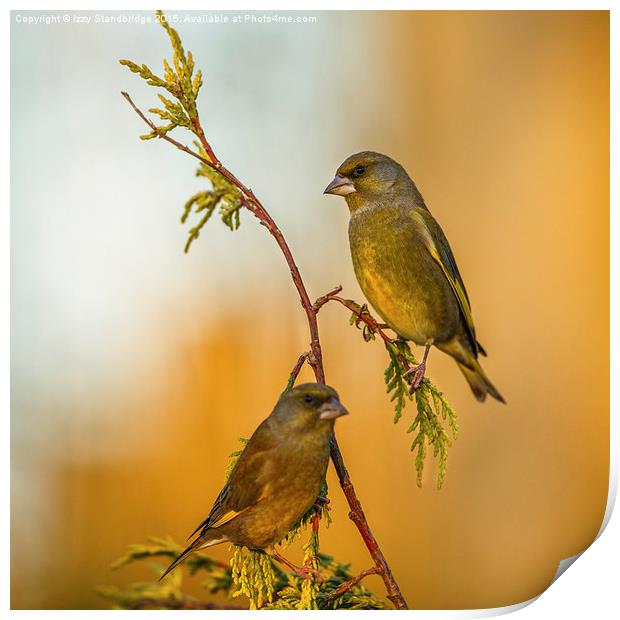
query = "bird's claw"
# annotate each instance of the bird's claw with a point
(307, 571)
(417, 376)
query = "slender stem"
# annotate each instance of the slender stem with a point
(361, 312)
(165, 137)
(295, 372)
(321, 301)
(314, 357)
(347, 585)
(362, 315)
(358, 517)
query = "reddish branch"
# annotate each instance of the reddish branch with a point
(314, 357)
(363, 315)
(297, 368)
(361, 312)
(345, 587)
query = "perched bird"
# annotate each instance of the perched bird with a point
(278, 476)
(405, 266)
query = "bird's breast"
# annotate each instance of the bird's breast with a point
(301, 470)
(400, 279)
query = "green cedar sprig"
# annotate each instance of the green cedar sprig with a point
(252, 574)
(396, 383)
(432, 407)
(223, 196)
(183, 84)
(179, 80)
(287, 591)
(432, 410)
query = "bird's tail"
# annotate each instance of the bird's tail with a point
(479, 382)
(199, 543)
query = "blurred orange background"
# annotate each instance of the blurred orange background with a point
(135, 368)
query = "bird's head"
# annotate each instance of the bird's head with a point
(309, 406)
(367, 176)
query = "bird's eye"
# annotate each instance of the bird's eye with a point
(308, 399)
(359, 170)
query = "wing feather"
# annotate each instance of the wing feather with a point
(247, 484)
(439, 248)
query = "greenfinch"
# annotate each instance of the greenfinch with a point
(278, 476)
(405, 267)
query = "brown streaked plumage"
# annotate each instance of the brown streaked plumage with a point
(278, 476)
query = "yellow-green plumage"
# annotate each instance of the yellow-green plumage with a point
(278, 476)
(404, 264)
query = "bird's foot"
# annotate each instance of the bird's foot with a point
(417, 376)
(307, 571)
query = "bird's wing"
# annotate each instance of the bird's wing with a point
(439, 248)
(248, 482)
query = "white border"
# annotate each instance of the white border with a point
(335, 5)
(587, 587)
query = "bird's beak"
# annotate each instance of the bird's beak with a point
(340, 186)
(332, 409)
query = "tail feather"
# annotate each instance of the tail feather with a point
(458, 349)
(199, 543)
(479, 382)
(182, 556)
